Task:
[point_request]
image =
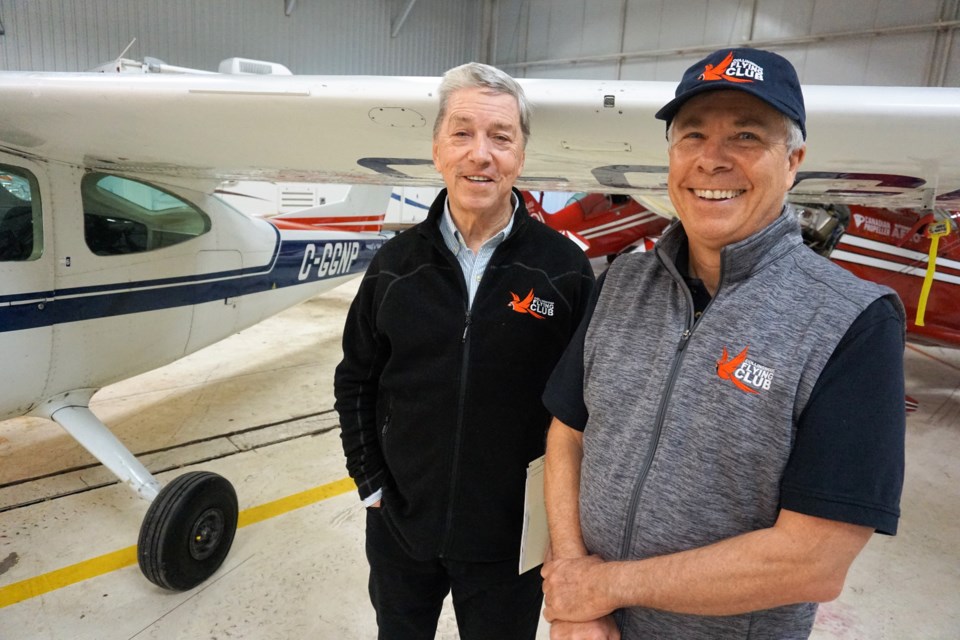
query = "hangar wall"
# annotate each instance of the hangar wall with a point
(318, 36)
(882, 42)
(857, 42)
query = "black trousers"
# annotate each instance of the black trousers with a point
(490, 600)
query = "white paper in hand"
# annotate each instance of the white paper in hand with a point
(536, 536)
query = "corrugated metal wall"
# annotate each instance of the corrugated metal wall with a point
(880, 42)
(319, 37)
(884, 42)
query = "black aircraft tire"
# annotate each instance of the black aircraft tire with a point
(188, 530)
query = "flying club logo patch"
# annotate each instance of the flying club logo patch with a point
(536, 307)
(745, 374)
(733, 70)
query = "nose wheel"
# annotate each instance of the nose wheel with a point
(188, 530)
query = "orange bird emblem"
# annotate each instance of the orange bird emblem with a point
(719, 72)
(523, 306)
(727, 366)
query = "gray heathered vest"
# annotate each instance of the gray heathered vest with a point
(690, 428)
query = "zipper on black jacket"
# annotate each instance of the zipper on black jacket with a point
(454, 469)
(461, 399)
(461, 396)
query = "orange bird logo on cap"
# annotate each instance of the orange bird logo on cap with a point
(719, 72)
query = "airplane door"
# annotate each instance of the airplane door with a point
(26, 284)
(217, 318)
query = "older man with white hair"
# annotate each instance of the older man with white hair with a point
(447, 348)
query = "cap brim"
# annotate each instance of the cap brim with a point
(669, 110)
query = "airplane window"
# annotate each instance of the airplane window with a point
(122, 216)
(21, 228)
(577, 197)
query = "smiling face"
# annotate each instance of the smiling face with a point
(729, 167)
(479, 151)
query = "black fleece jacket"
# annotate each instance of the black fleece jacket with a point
(441, 406)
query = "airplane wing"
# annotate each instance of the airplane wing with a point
(879, 146)
(82, 308)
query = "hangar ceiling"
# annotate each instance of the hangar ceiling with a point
(881, 42)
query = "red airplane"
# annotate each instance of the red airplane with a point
(887, 246)
(892, 247)
(602, 224)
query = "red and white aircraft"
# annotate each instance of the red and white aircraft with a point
(602, 224)
(889, 246)
(893, 247)
(116, 257)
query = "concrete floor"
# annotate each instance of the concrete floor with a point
(257, 409)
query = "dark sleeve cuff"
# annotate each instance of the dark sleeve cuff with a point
(878, 518)
(567, 409)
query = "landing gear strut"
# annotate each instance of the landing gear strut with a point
(191, 522)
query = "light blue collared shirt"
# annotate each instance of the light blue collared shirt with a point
(472, 264)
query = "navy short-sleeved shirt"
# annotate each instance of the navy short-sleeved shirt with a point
(848, 458)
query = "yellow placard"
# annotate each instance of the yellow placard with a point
(934, 231)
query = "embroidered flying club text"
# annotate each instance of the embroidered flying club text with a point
(733, 70)
(536, 307)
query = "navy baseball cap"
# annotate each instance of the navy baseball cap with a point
(763, 74)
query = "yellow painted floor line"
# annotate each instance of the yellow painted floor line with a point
(47, 582)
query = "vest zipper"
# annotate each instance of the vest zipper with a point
(651, 451)
(648, 460)
(620, 615)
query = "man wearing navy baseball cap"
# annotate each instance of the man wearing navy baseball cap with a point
(728, 421)
(762, 74)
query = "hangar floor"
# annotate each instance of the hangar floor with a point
(257, 408)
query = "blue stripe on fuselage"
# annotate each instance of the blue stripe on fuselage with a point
(290, 268)
(409, 202)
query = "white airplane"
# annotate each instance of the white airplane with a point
(115, 258)
(408, 205)
(104, 276)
